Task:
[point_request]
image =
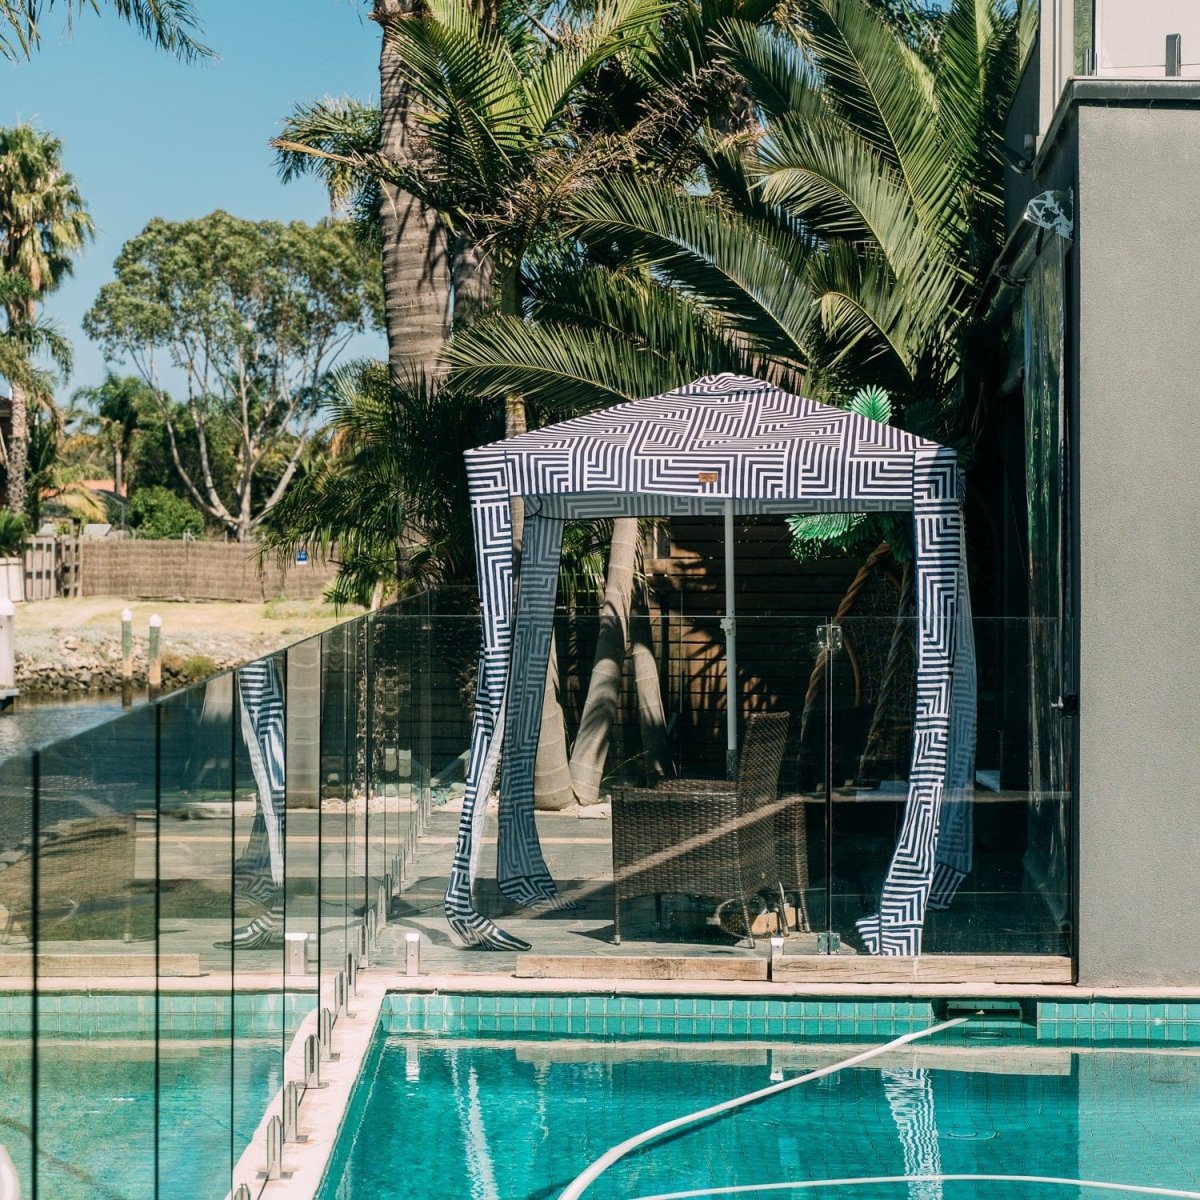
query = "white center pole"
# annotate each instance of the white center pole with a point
(732, 693)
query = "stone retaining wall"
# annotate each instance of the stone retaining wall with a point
(164, 570)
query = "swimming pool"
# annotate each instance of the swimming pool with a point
(455, 1103)
(121, 1116)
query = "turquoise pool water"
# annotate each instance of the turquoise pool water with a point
(104, 1087)
(504, 1116)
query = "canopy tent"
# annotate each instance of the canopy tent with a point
(722, 443)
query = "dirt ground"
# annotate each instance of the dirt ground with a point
(77, 638)
(284, 621)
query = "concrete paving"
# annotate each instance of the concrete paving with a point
(577, 847)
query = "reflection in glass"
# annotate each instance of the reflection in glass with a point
(16, 965)
(95, 915)
(196, 804)
(1050, 624)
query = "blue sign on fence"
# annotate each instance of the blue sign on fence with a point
(301, 557)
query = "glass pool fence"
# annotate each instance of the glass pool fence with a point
(179, 887)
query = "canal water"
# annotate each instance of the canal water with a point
(33, 723)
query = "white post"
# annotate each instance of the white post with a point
(732, 692)
(412, 953)
(126, 646)
(154, 671)
(8, 647)
(10, 1185)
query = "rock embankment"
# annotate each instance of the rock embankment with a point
(81, 662)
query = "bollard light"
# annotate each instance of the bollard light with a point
(295, 953)
(776, 952)
(412, 953)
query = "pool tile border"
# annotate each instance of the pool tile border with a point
(181, 1015)
(709, 1018)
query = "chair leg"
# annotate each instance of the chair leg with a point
(749, 926)
(783, 921)
(803, 924)
(616, 941)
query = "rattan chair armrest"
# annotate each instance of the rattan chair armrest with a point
(653, 798)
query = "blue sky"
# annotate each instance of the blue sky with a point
(147, 136)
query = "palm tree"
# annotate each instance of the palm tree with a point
(113, 409)
(171, 24)
(845, 239)
(43, 224)
(491, 140)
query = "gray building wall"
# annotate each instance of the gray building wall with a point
(1137, 365)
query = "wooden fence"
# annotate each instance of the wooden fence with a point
(52, 568)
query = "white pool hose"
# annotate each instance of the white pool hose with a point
(10, 1185)
(796, 1185)
(582, 1182)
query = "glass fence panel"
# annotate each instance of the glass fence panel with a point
(999, 882)
(259, 809)
(16, 965)
(356, 799)
(336, 774)
(384, 665)
(195, 909)
(179, 847)
(302, 846)
(439, 637)
(95, 907)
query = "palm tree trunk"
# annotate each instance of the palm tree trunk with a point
(18, 450)
(416, 268)
(600, 707)
(474, 272)
(901, 632)
(652, 720)
(552, 788)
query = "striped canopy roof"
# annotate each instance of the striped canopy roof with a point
(724, 436)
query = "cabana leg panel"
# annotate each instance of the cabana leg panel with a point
(521, 872)
(491, 516)
(937, 529)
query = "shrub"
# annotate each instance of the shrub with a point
(13, 532)
(155, 512)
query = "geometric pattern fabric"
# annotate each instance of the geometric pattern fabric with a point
(687, 452)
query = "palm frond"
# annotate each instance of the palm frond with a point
(748, 271)
(781, 78)
(884, 90)
(558, 368)
(815, 534)
(172, 25)
(614, 26)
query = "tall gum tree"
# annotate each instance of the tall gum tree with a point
(248, 317)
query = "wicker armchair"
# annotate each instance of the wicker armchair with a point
(704, 837)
